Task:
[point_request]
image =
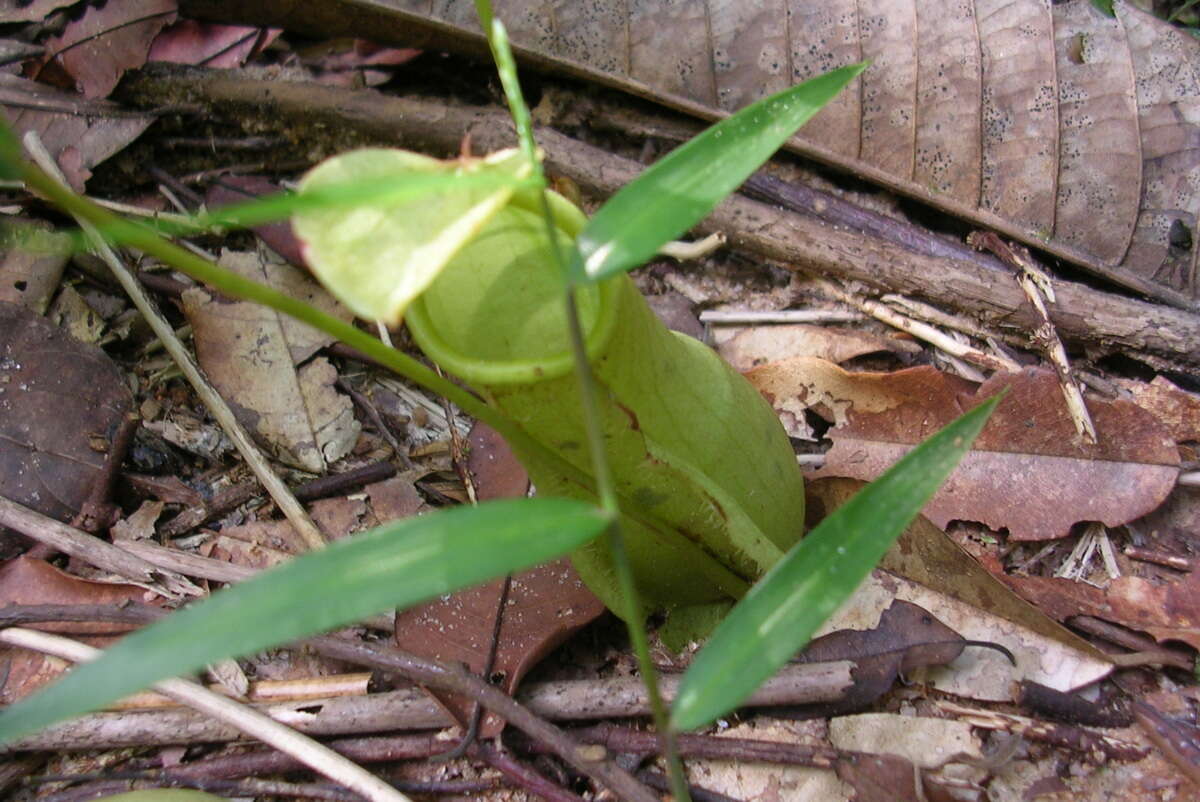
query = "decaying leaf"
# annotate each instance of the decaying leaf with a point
(496, 469)
(747, 780)
(27, 581)
(23, 11)
(1166, 611)
(1046, 121)
(242, 188)
(906, 638)
(928, 570)
(55, 394)
(545, 606)
(223, 46)
(29, 275)
(925, 742)
(1028, 472)
(1175, 408)
(108, 39)
(78, 133)
(257, 360)
(749, 348)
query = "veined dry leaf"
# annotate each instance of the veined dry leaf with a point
(256, 358)
(223, 46)
(1028, 472)
(1046, 121)
(97, 48)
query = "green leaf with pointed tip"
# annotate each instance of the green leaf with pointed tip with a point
(376, 257)
(681, 189)
(395, 565)
(780, 613)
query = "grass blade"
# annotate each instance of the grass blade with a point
(780, 613)
(395, 565)
(685, 185)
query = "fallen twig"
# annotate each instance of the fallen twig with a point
(246, 719)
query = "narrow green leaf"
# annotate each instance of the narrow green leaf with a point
(1105, 7)
(780, 613)
(395, 565)
(681, 189)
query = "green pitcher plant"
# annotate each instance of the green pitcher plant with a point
(688, 438)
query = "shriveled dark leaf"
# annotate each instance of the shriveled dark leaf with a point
(55, 395)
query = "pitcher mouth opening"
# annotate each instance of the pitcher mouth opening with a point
(496, 315)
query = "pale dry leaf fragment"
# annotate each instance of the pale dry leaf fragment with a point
(30, 275)
(757, 781)
(747, 348)
(253, 356)
(1028, 471)
(140, 524)
(927, 742)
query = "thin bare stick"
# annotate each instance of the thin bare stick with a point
(1038, 287)
(317, 757)
(718, 317)
(278, 491)
(919, 330)
(94, 551)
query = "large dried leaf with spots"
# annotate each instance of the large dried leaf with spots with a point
(1029, 471)
(1047, 121)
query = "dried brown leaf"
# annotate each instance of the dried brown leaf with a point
(96, 49)
(1029, 471)
(546, 605)
(55, 394)
(1175, 408)
(78, 133)
(187, 41)
(254, 357)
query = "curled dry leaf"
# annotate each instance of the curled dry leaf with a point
(256, 358)
(1029, 471)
